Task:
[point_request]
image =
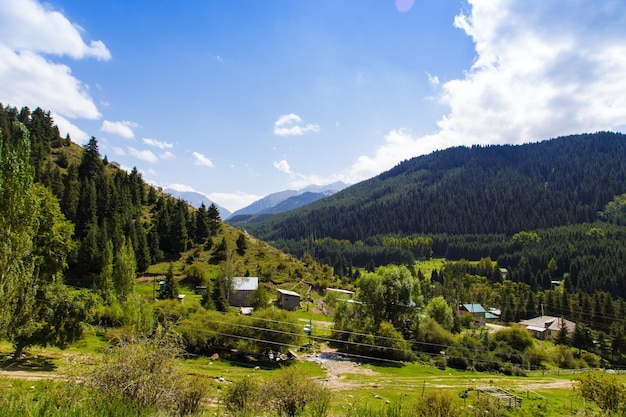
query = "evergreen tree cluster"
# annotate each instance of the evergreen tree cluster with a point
(106, 204)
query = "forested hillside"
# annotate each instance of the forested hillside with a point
(476, 202)
(478, 190)
(106, 205)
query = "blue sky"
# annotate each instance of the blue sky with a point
(239, 98)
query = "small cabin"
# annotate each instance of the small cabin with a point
(288, 300)
(242, 291)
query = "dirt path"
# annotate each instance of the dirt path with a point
(336, 367)
(28, 375)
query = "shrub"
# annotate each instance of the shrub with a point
(289, 394)
(241, 398)
(144, 372)
(438, 403)
(515, 336)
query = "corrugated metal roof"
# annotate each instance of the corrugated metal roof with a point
(474, 308)
(245, 283)
(287, 292)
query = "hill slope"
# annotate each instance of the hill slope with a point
(493, 189)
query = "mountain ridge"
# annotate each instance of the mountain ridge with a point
(270, 202)
(484, 189)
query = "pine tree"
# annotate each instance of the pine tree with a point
(202, 224)
(170, 290)
(71, 193)
(215, 221)
(91, 165)
(218, 294)
(242, 244)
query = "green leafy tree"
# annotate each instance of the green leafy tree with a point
(261, 298)
(57, 320)
(124, 270)
(104, 284)
(18, 221)
(441, 312)
(48, 239)
(605, 390)
(195, 275)
(53, 239)
(389, 294)
(170, 290)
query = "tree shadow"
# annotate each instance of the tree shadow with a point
(28, 363)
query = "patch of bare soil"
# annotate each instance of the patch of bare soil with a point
(337, 366)
(27, 375)
(556, 384)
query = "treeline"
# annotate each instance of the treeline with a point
(478, 190)
(105, 203)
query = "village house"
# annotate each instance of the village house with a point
(548, 327)
(242, 291)
(477, 311)
(288, 300)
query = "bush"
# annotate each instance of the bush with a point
(144, 372)
(438, 403)
(515, 336)
(290, 395)
(241, 398)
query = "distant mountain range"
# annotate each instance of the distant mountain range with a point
(273, 203)
(287, 200)
(196, 199)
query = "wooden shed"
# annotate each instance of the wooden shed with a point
(288, 300)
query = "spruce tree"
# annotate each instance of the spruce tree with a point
(218, 294)
(215, 221)
(170, 290)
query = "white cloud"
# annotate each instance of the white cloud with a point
(123, 128)
(282, 166)
(181, 187)
(29, 30)
(166, 155)
(433, 80)
(202, 160)
(66, 127)
(542, 70)
(29, 26)
(30, 80)
(143, 155)
(234, 201)
(118, 151)
(291, 125)
(157, 143)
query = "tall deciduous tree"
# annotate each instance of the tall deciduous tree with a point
(104, 283)
(18, 214)
(124, 270)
